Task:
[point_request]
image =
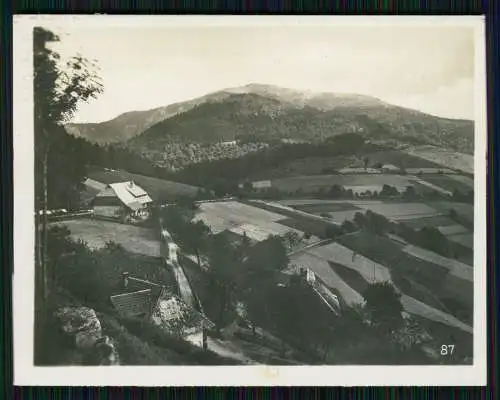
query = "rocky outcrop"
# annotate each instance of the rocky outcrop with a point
(82, 328)
(105, 352)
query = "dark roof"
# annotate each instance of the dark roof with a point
(136, 284)
(133, 304)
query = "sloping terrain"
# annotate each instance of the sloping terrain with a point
(269, 112)
(258, 115)
(370, 271)
(156, 188)
(451, 159)
(96, 233)
(130, 124)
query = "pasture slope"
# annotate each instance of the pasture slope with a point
(318, 258)
(415, 215)
(450, 159)
(96, 233)
(456, 268)
(157, 188)
(321, 268)
(360, 182)
(240, 218)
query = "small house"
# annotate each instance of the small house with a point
(258, 185)
(139, 298)
(153, 302)
(124, 201)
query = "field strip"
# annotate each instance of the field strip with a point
(460, 161)
(306, 202)
(373, 272)
(404, 218)
(321, 268)
(292, 210)
(341, 216)
(452, 229)
(463, 179)
(465, 239)
(416, 307)
(455, 267)
(434, 187)
(262, 231)
(415, 171)
(235, 213)
(401, 210)
(368, 269)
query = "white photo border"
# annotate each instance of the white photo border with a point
(25, 373)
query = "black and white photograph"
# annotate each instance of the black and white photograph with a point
(292, 200)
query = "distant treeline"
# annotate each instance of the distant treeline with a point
(340, 192)
(224, 175)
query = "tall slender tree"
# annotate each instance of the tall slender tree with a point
(59, 88)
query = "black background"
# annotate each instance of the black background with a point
(388, 7)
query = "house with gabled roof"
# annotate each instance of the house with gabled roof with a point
(124, 201)
(139, 298)
(145, 299)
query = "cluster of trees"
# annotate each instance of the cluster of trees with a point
(234, 266)
(94, 275)
(242, 271)
(174, 156)
(59, 88)
(224, 175)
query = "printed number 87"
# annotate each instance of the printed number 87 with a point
(447, 349)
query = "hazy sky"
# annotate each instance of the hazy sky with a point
(427, 68)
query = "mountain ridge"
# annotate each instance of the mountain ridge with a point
(267, 110)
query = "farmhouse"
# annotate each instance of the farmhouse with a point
(140, 297)
(123, 200)
(390, 168)
(151, 301)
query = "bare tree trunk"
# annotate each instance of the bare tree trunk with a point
(44, 225)
(39, 259)
(40, 272)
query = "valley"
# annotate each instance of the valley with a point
(285, 205)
